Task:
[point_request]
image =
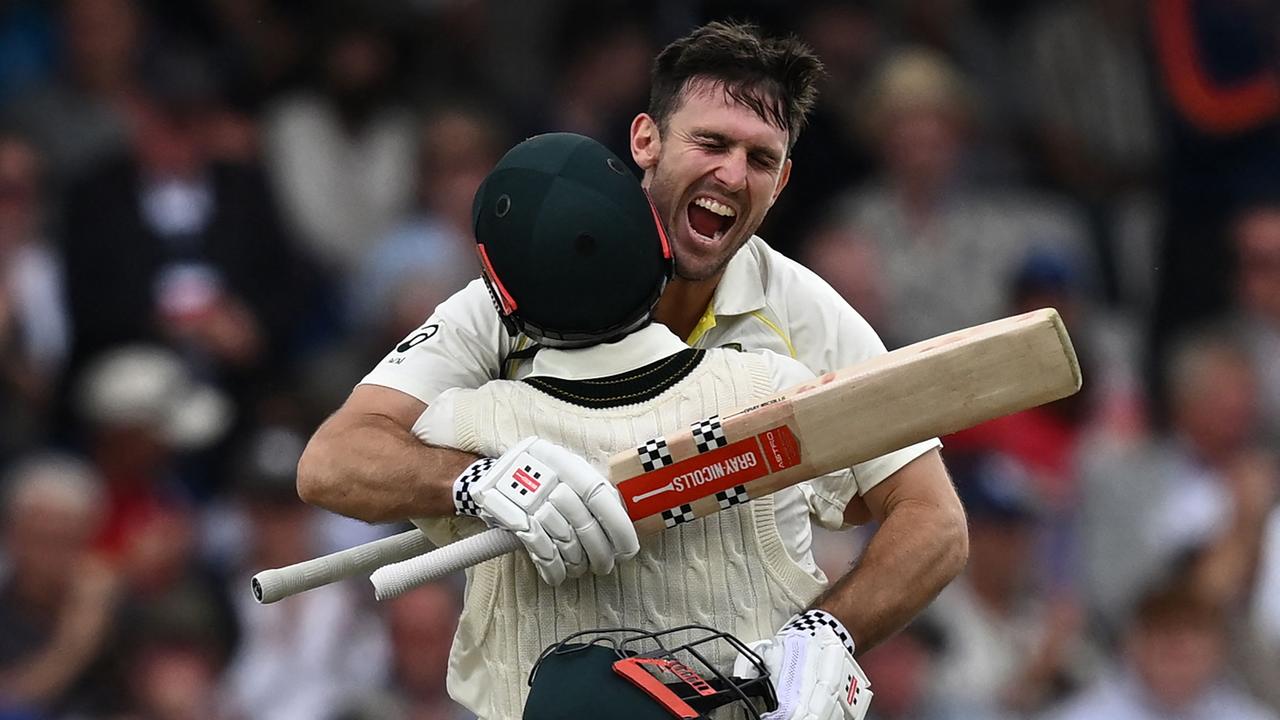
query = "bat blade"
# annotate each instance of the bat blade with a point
(848, 416)
(843, 418)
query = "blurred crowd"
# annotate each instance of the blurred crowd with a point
(216, 216)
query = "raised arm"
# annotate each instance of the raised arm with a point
(366, 463)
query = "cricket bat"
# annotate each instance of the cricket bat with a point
(931, 388)
(842, 418)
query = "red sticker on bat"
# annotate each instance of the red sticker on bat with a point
(780, 447)
(710, 472)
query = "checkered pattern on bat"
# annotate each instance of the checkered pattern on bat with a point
(654, 454)
(809, 621)
(677, 515)
(462, 500)
(735, 495)
(708, 434)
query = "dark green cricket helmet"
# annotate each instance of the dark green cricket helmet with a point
(570, 245)
(631, 674)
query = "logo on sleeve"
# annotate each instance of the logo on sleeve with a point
(424, 333)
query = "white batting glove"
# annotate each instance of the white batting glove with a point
(813, 670)
(569, 516)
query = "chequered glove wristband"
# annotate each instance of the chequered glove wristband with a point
(809, 621)
(462, 500)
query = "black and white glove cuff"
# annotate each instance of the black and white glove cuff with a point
(463, 503)
(809, 621)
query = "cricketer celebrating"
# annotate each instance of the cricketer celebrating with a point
(725, 108)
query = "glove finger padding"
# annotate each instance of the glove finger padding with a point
(551, 566)
(568, 516)
(591, 539)
(606, 504)
(563, 531)
(599, 497)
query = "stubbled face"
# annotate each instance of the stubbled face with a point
(713, 172)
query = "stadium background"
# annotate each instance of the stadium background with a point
(216, 215)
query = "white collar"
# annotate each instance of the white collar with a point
(646, 345)
(741, 288)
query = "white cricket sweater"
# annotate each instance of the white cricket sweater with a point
(731, 571)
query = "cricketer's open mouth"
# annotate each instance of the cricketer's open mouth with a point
(710, 219)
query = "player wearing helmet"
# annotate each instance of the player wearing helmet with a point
(575, 257)
(726, 107)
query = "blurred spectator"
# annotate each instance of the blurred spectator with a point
(1094, 116)
(1047, 439)
(831, 152)
(421, 624)
(82, 117)
(142, 411)
(506, 49)
(1044, 439)
(26, 46)
(165, 244)
(1256, 231)
(1010, 648)
(176, 654)
(1198, 495)
(341, 153)
(34, 332)
(258, 45)
(309, 656)
(60, 637)
(1256, 237)
(431, 255)
(1218, 69)
(1173, 666)
(600, 62)
(922, 250)
(954, 30)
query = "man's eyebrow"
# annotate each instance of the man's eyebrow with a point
(710, 135)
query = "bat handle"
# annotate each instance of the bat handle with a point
(396, 579)
(273, 585)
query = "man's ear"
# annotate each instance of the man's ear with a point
(646, 141)
(782, 180)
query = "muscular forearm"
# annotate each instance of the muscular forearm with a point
(371, 468)
(919, 548)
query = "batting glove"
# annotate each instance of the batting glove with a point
(813, 670)
(569, 516)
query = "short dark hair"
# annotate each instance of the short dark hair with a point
(776, 78)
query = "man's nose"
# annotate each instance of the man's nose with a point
(732, 171)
